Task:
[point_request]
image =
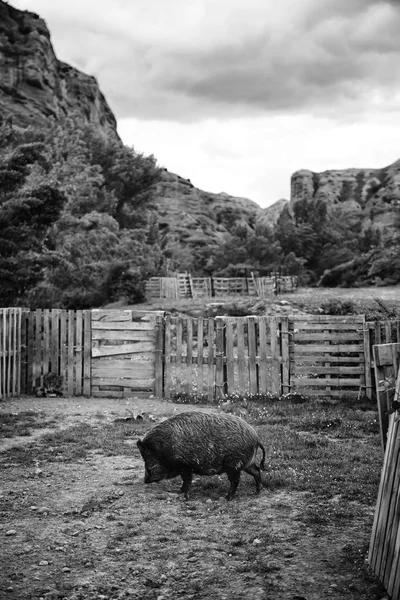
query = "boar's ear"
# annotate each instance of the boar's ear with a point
(142, 448)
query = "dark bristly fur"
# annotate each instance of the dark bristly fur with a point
(204, 444)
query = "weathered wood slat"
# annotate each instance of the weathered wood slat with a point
(332, 336)
(358, 370)
(340, 382)
(300, 349)
(137, 347)
(132, 383)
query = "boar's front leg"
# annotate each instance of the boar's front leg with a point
(187, 475)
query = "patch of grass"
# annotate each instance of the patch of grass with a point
(22, 424)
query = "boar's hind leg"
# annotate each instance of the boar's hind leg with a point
(234, 477)
(186, 475)
(255, 471)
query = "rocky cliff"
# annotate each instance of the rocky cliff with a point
(198, 218)
(35, 85)
(374, 194)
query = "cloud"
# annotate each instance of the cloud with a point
(188, 61)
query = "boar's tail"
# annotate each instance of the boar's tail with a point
(262, 463)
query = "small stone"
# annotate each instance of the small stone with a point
(43, 509)
(11, 532)
(38, 472)
(66, 570)
(43, 563)
(256, 542)
(208, 501)
(34, 507)
(10, 589)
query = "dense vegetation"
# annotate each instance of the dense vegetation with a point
(77, 228)
(74, 230)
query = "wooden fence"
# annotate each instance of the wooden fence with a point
(10, 352)
(56, 341)
(128, 353)
(384, 549)
(186, 286)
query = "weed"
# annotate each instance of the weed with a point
(22, 424)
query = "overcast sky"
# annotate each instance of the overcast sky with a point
(236, 95)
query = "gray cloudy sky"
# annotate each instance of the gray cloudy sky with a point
(238, 94)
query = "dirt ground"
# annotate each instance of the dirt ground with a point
(91, 529)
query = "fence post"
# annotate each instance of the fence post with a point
(87, 352)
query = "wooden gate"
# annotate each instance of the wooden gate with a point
(328, 355)
(10, 352)
(126, 353)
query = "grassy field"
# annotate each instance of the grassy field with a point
(375, 302)
(78, 523)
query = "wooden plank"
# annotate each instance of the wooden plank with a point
(87, 352)
(136, 348)
(2, 354)
(158, 357)
(304, 326)
(301, 349)
(251, 333)
(122, 326)
(276, 376)
(393, 515)
(368, 361)
(46, 340)
(230, 361)
(330, 381)
(324, 335)
(285, 355)
(167, 359)
(358, 370)
(24, 352)
(110, 315)
(114, 335)
(200, 355)
(309, 391)
(132, 383)
(124, 368)
(63, 346)
(9, 351)
(78, 353)
(241, 363)
(376, 527)
(189, 355)
(31, 351)
(383, 353)
(210, 361)
(310, 359)
(219, 359)
(178, 365)
(38, 364)
(263, 354)
(71, 349)
(381, 396)
(19, 350)
(331, 319)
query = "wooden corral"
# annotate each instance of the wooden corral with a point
(125, 352)
(384, 549)
(186, 286)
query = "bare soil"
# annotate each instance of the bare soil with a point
(91, 529)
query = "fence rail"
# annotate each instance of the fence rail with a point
(384, 549)
(186, 286)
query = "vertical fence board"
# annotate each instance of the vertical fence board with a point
(263, 365)
(200, 366)
(251, 332)
(241, 356)
(210, 360)
(167, 359)
(219, 358)
(178, 365)
(71, 351)
(230, 359)
(87, 352)
(284, 330)
(189, 356)
(78, 353)
(368, 360)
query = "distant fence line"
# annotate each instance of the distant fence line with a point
(120, 353)
(186, 286)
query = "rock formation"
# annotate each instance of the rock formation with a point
(372, 193)
(35, 85)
